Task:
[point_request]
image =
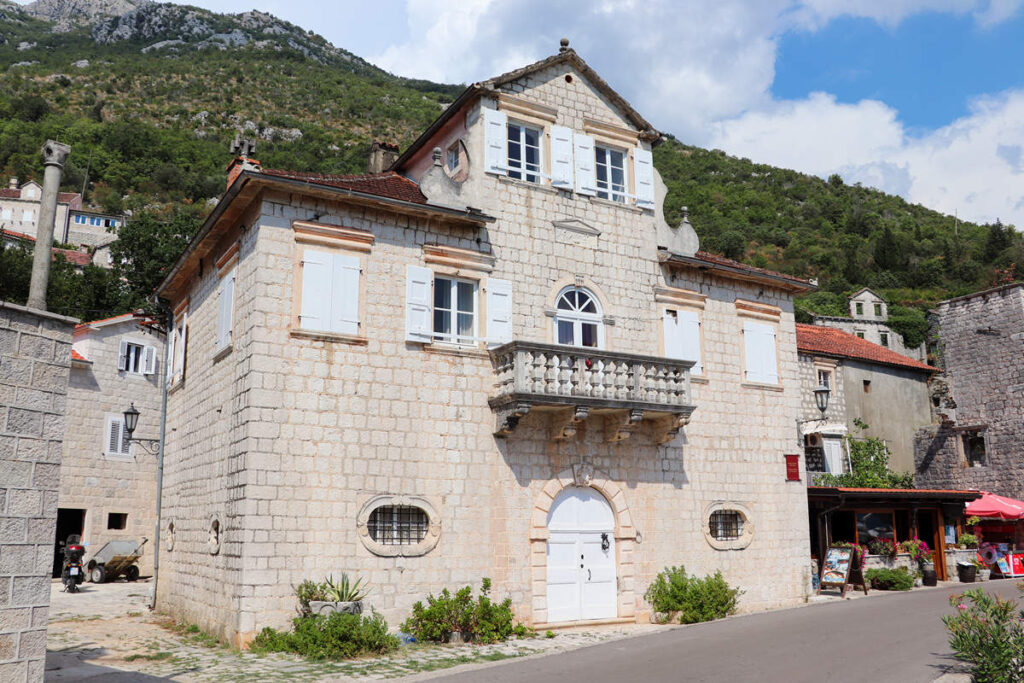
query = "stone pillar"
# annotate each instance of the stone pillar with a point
(54, 155)
(35, 359)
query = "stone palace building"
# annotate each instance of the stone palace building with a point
(495, 359)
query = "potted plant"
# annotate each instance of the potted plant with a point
(969, 540)
(919, 552)
(984, 572)
(884, 547)
(327, 596)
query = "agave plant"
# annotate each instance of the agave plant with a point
(344, 590)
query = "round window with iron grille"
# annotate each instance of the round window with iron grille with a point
(398, 525)
(729, 525)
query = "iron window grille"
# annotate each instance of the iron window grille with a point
(726, 525)
(398, 525)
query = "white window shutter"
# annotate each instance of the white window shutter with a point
(643, 173)
(113, 435)
(499, 311)
(317, 269)
(183, 346)
(122, 355)
(169, 357)
(759, 346)
(149, 360)
(225, 310)
(689, 337)
(586, 178)
(561, 157)
(671, 330)
(126, 445)
(495, 141)
(418, 290)
(345, 295)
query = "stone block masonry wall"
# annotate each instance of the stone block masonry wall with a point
(35, 357)
(982, 343)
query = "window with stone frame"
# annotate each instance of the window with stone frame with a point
(578, 318)
(116, 441)
(524, 152)
(455, 310)
(135, 358)
(878, 310)
(610, 172)
(974, 448)
(398, 525)
(884, 336)
(860, 308)
(726, 525)
(824, 378)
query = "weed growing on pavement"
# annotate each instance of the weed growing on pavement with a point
(987, 631)
(155, 657)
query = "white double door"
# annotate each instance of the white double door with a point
(581, 577)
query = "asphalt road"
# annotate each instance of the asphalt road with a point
(880, 638)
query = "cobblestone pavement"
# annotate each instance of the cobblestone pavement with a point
(106, 633)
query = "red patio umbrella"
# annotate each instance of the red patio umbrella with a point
(991, 506)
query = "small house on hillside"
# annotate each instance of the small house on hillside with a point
(869, 316)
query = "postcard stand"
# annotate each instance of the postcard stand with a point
(836, 572)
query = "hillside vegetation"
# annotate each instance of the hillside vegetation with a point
(149, 101)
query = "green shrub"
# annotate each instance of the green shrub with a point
(898, 579)
(694, 599)
(480, 620)
(989, 635)
(333, 636)
(969, 540)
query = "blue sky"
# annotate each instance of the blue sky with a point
(927, 68)
(922, 98)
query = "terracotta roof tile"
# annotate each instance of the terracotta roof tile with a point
(8, 193)
(829, 341)
(75, 355)
(388, 184)
(78, 258)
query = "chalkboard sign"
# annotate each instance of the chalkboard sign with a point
(836, 569)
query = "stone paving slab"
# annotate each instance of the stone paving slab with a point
(106, 633)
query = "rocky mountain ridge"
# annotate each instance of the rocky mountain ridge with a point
(67, 14)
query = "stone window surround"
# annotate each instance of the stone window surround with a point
(626, 536)
(411, 500)
(469, 266)
(748, 525)
(829, 366)
(179, 341)
(686, 299)
(761, 312)
(603, 302)
(579, 318)
(334, 238)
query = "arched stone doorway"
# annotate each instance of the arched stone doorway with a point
(581, 505)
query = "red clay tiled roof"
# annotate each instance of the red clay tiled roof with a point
(8, 193)
(728, 262)
(17, 235)
(126, 316)
(75, 355)
(829, 341)
(388, 184)
(62, 197)
(78, 258)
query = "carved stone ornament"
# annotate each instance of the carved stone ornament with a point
(583, 474)
(669, 428)
(508, 418)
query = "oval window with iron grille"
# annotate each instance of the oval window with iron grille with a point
(399, 525)
(729, 526)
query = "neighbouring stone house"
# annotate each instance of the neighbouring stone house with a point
(494, 360)
(884, 389)
(79, 258)
(19, 208)
(980, 395)
(35, 355)
(869, 318)
(108, 485)
(94, 230)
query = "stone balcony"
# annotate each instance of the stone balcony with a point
(576, 384)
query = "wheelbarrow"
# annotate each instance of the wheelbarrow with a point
(115, 559)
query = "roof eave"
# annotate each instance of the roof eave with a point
(778, 281)
(438, 123)
(838, 356)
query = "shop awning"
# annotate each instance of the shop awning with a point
(991, 506)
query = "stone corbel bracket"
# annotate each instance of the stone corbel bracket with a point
(668, 428)
(508, 418)
(620, 425)
(564, 424)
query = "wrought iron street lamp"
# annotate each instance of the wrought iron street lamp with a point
(131, 421)
(821, 395)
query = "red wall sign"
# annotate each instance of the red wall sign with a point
(792, 468)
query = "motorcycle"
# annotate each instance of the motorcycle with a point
(72, 574)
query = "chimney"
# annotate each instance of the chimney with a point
(242, 148)
(382, 155)
(12, 184)
(54, 156)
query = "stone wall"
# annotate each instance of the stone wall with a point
(35, 355)
(92, 479)
(982, 343)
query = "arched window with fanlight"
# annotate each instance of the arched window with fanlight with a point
(578, 319)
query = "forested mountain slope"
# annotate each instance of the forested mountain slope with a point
(150, 97)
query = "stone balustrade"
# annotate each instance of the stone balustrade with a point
(578, 382)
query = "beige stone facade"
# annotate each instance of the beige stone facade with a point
(283, 440)
(112, 481)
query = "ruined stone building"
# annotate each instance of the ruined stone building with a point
(495, 359)
(108, 485)
(869, 320)
(980, 396)
(868, 383)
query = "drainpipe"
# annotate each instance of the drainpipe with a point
(168, 317)
(54, 156)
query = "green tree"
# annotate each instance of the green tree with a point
(869, 467)
(146, 246)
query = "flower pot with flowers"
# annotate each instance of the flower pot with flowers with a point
(919, 553)
(885, 547)
(984, 572)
